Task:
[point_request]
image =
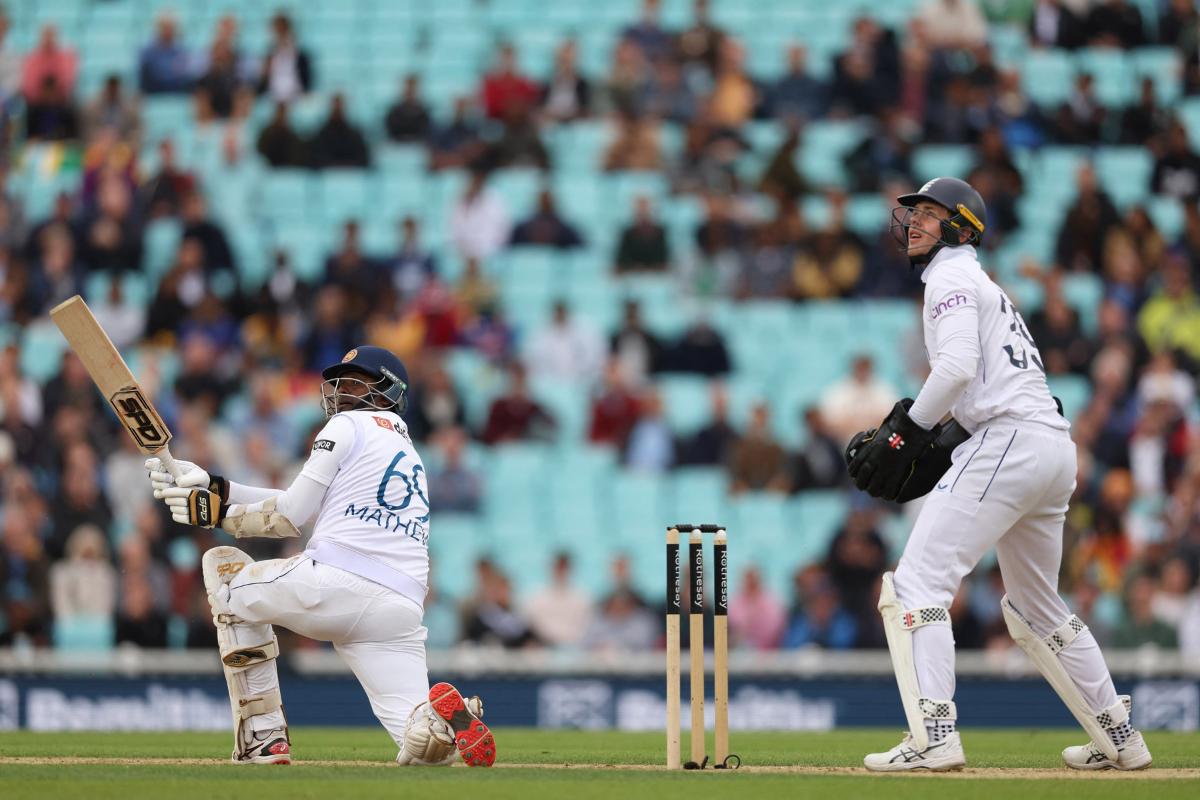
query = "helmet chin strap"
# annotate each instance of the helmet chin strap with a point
(924, 258)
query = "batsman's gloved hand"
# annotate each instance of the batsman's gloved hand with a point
(882, 462)
(195, 506)
(193, 475)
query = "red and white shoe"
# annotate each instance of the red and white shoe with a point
(475, 742)
(272, 750)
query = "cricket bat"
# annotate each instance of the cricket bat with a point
(116, 381)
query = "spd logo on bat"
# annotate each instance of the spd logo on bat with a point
(140, 418)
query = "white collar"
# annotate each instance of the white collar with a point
(948, 254)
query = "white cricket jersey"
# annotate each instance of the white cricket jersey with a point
(374, 518)
(970, 324)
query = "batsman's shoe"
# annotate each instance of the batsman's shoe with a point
(475, 742)
(1133, 754)
(939, 756)
(272, 750)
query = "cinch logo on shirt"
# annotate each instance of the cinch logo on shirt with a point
(945, 305)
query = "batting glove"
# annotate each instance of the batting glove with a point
(195, 506)
(193, 475)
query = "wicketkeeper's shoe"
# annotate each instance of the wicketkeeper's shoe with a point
(1133, 754)
(939, 756)
(271, 750)
(475, 742)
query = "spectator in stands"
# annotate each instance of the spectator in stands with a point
(819, 617)
(635, 148)
(112, 109)
(638, 351)
(560, 614)
(1177, 23)
(623, 625)
(453, 486)
(144, 595)
(567, 95)
(333, 334)
(479, 226)
(1170, 318)
(520, 144)
(112, 240)
(57, 275)
(1081, 119)
(830, 265)
(489, 618)
(84, 583)
(857, 559)
(614, 408)
(643, 246)
(10, 65)
(1055, 328)
(546, 227)
(1177, 171)
(797, 95)
(700, 45)
(1171, 601)
(434, 405)
(667, 96)
(566, 348)
(713, 444)
(457, 144)
(163, 194)
(515, 417)
(757, 618)
(1115, 23)
(1145, 123)
(701, 350)
(279, 143)
(650, 446)
(866, 75)
(165, 66)
(504, 87)
(1141, 627)
(24, 580)
(475, 290)
(408, 119)
(885, 155)
(953, 24)
(857, 402)
(627, 82)
(758, 462)
(821, 463)
(181, 290)
(735, 96)
(200, 377)
(647, 33)
(263, 414)
(48, 116)
(767, 269)
(338, 143)
(1085, 229)
(198, 225)
(223, 91)
(287, 69)
(413, 265)
(1055, 24)
(357, 275)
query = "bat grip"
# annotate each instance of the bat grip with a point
(168, 461)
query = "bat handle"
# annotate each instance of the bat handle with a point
(168, 461)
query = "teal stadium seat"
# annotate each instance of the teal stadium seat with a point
(42, 347)
(823, 148)
(1084, 291)
(1073, 390)
(935, 161)
(1165, 66)
(1048, 77)
(84, 632)
(343, 195)
(1168, 216)
(1124, 172)
(160, 244)
(687, 402)
(1113, 72)
(286, 196)
(814, 518)
(454, 549)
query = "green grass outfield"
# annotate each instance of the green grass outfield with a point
(180, 766)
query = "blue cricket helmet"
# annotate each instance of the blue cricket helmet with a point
(382, 365)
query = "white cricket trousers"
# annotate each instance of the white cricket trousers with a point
(1008, 487)
(376, 631)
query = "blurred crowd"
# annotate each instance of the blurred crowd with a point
(83, 553)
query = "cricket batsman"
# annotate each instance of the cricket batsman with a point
(999, 473)
(360, 583)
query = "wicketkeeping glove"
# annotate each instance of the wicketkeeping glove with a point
(881, 462)
(195, 506)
